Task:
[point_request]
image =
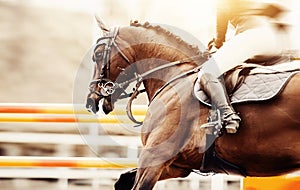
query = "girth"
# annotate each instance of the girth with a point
(212, 162)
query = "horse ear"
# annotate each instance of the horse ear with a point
(101, 24)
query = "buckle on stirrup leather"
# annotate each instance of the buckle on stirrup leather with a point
(214, 125)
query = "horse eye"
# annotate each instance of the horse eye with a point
(98, 55)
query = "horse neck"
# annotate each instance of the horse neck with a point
(153, 50)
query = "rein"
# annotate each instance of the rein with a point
(137, 92)
(140, 77)
(187, 73)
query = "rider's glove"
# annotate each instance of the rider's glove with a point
(212, 46)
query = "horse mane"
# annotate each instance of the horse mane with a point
(168, 33)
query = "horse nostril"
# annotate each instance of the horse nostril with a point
(91, 105)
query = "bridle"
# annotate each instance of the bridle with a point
(108, 87)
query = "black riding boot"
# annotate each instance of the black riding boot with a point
(216, 91)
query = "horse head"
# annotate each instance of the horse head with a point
(134, 53)
(109, 62)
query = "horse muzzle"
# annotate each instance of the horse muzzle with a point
(101, 88)
(92, 103)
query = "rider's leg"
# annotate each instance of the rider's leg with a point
(219, 98)
(258, 41)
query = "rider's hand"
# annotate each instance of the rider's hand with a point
(212, 47)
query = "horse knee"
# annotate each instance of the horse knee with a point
(185, 173)
(126, 180)
(174, 172)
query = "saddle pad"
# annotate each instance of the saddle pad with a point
(256, 87)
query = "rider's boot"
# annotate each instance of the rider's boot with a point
(216, 91)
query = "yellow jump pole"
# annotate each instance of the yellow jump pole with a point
(33, 118)
(66, 162)
(29, 108)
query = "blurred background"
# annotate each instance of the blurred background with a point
(43, 43)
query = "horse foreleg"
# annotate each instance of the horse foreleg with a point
(146, 178)
(126, 180)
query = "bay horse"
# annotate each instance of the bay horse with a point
(266, 144)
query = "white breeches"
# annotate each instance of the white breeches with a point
(265, 40)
